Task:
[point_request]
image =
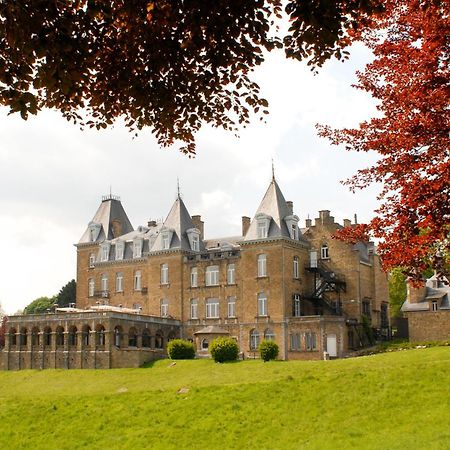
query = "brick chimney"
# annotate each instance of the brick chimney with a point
(308, 222)
(415, 294)
(245, 224)
(151, 223)
(199, 224)
(347, 223)
(290, 206)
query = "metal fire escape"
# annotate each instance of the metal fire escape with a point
(326, 280)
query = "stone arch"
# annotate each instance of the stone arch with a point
(35, 337)
(12, 337)
(146, 338)
(72, 336)
(132, 337)
(23, 337)
(159, 339)
(172, 335)
(118, 333)
(269, 335)
(86, 335)
(59, 336)
(47, 336)
(100, 335)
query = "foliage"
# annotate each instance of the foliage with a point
(410, 79)
(180, 349)
(245, 396)
(167, 65)
(368, 330)
(40, 305)
(400, 344)
(268, 350)
(397, 291)
(67, 294)
(3, 322)
(224, 349)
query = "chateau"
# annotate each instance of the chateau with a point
(139, 288)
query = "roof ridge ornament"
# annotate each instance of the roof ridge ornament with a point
(273, 171)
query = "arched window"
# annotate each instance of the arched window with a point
(159, 339)
(86, 335)
(262, 304)
(72, 337)
(324, 253)
(296, 306)
(47, 336)
(117, 336)
(100, 335)
(59, 336)
(23, 338)
(262, 265)
(13, 337)
(146, 339)
(269, 335)
(205, 344)
(254, 339)
(194, 308)
(132, 337)
(35, 337)
(164, 307)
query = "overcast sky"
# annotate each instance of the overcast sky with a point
(52, 175)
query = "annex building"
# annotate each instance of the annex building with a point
(137, 288)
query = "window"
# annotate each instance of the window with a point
(194, 308)
(159, 339)
(117, 336)
(296, 267)
(254, 340)
(91, 287)
(86, 335)
(164, 307)
(120, 246)
(366, 307)
(164, 274)
(132, 337)
(119, 282)
(59, 336)
(195, 243)
(262, 229)
(262, 304)
(194, 277)
(262, 265)
(100, 335)
(231, 272)
(434, 305)
(324, 254)
(146, 339)
(212, 275)
(137, 280)
(104, 287)
(231, 306)
(205, 344)
(72, 337)
(296, 306)
(311, 342)
(295, 341)
(294, 231)
(105, 252)
(269, 335)
(165, 241)
(137, 248)
(13, 337)
(91, 260)
(212, 308)
(47, 337)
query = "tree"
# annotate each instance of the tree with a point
(410, 78)
(397, 291)
(40, 305)
(67, 294)
(170, 65)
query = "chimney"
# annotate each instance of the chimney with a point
(347, 223)
(356, 219)
(199, 224)
(308, 222)
(245, 225)
(151, 223)
(290, 206)
(415, 294)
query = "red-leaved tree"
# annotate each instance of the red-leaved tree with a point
(410, 78)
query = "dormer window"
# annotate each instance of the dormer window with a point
(165, 241)
(105, 251)
(194, 239)
(137, 248)
(94, 231)
(292, 224)
(263, 223)
(120, 247)
(195, 243)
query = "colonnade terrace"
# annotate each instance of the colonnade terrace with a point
(88, 339)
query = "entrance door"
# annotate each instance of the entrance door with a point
(332, 345)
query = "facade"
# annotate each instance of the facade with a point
(297, 286)
(427, 309)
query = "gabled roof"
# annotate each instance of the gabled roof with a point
(274, 205)
(178, 221)
(112, 218)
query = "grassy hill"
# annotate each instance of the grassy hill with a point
(395, 400)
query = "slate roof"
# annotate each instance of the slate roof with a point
(435, 290)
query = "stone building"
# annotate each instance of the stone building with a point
(427, 309)
(138, 288)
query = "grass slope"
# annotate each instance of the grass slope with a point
(390, 401)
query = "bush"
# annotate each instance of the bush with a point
(180, 349)
(224, 349)
(268, 350)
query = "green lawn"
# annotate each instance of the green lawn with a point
(395, 400)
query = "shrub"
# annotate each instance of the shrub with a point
(268, 350)
(180, 349)
(224, 349)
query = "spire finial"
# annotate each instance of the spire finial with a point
(178, 187)
(273, 171)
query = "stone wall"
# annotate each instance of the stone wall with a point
(429, 325)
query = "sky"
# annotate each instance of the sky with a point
(53, 175)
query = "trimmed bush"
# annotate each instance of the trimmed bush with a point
(268, 350)
(180, 349)
(224, 349)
